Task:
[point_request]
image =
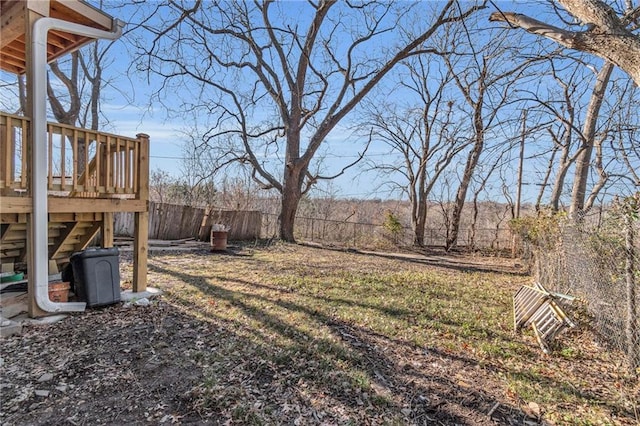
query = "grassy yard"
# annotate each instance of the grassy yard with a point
(303, 335)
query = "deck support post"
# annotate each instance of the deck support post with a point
(141, 219)
(107, 230)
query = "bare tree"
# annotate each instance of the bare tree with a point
(582, 133)
(561, 110)
(483, 177)
(165, 188)
(65, 86)
(588, 140)
(159, 183)
(485, 84)
(66, 104)
(624, 139)
(443, 200)
(276, 79)
(15, 99)
(615, 143)
(599, 30)
(422, 136)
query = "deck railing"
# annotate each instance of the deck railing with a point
(81, 162)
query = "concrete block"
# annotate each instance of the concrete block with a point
(11, 329)
(150, 293)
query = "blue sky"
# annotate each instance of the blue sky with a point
(134, 113)
(168, 142)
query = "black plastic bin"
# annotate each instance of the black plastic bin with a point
(96, 276)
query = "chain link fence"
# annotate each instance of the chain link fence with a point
(360, 235)
(597, 261)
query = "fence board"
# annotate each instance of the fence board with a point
(243, 225)
(174, 222)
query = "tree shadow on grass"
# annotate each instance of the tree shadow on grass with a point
(526, 377)
(441, 260)
(349, 368)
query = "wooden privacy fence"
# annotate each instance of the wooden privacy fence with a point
(174, 222)
(242, 224)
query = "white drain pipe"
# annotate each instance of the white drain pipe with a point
(39, 269)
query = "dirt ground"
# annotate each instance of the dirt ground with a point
(128, 366)
(134, 365)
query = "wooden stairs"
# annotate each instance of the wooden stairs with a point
(67, 232)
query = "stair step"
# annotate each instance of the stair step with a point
(13, 245)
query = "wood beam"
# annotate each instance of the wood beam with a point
(143, 167)
(75, 217)
(39, 7)
(12, 55)
(11, 66)
(83, 11)
(54, 250)
(10, 253)
(12, 23)
(9, 218)
(141, 219)
(9, 238)
(16, 205)
(73, 205)
(102, 205)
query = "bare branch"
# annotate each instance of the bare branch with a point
(606, 36)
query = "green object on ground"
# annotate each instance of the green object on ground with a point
(10, 277)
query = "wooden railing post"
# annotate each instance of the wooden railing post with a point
(14, 133)
(141, 219)
(6, 149)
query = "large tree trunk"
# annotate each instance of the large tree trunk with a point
(583, 160)
(308, 79)
(291, 195)
(418, 200)
(420, 223)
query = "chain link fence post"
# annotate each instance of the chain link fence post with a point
(633, 342)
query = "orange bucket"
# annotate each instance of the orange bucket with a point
(59, 292)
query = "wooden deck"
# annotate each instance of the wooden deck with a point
(82, 163)
(90, 176)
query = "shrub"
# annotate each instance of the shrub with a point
(392, 224)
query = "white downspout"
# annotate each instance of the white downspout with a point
(39, 167)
